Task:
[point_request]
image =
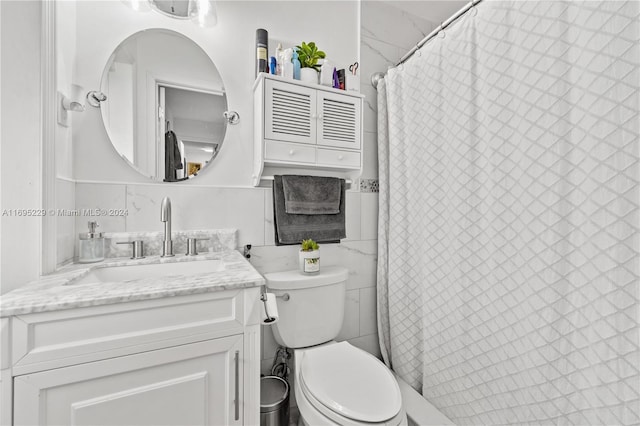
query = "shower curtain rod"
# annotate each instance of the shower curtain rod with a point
(377, 76)
(435, 32)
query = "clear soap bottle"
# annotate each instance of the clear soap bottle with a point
(91, 246)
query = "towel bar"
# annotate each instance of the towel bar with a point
(347, 181)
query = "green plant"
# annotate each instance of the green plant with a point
(308, 55)
(309, 245)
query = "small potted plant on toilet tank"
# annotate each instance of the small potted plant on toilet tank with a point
(309, 257)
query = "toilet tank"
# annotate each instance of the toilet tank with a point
(315, 309)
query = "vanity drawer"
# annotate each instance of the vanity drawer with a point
(289, 152)
(337, 158)
(48, 340)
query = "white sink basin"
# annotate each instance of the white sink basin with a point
(157, 270)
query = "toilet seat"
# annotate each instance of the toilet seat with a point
(342, 382)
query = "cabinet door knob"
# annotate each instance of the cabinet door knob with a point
(314, 115)
(340, 157)
(291, 152)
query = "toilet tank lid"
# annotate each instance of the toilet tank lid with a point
(291, 280)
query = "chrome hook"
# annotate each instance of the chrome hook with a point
(232, 117)
(95, 97)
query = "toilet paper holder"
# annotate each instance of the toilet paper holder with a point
(269, 318)
(284, 297)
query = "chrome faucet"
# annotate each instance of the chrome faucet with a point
(165, 216)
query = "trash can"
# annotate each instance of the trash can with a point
(274, 401)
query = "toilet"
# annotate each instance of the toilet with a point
(334, 383)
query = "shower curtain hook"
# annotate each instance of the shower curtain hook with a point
(473, 10)
(441, 32)
(418, 52)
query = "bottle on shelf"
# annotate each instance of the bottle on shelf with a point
(296, 66)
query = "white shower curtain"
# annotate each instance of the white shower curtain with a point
(508, 261)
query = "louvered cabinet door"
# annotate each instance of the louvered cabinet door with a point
(290, 112)
(338, 120)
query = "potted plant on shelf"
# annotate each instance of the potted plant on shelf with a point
(308, 55)
(309, 257)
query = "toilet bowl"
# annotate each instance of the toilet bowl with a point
(334, 383)
(339, 384)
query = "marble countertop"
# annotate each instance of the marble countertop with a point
(56, 291)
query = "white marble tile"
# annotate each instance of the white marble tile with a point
(368, 343)
(370, 107)
(352, 216)
(269, 344)
(209, 241)
(369, 218)
(274, 258)
(384, 22)
(368, 316)
(199, 208)
(358, 256)
(66, 236)
(269, 232)
(370, 151)
(351, 322)
(102, 196)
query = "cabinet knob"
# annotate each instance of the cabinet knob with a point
(319, 116)
(314, 115)
(340, 157)
(291, 152)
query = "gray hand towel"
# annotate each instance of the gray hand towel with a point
(293, 228)
(311, 194)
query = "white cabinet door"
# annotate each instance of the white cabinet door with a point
(195, 384)
(339, 120)
(290, 112)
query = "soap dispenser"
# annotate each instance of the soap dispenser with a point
(91, 248)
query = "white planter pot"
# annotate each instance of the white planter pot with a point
(309, 75)
(309, 261)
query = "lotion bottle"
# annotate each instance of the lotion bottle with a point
(296, 66)
(326, 73)
(279, 59)
(287, 66)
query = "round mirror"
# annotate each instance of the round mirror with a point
(165, 105)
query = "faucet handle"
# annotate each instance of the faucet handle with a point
(192, 249)
(138, 248)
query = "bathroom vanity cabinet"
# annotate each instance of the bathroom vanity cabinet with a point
(190, 359)
(306, 127)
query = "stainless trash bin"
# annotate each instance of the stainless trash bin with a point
(274, 401)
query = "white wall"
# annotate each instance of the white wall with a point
(20, 135)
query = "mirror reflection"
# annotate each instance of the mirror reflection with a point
(165, 104)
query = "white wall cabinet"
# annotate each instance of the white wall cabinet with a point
(308, 127)
(189, 360)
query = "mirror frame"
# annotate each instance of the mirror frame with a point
(160, 179)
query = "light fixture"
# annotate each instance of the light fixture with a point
(137, 5)
(202, 12)
(72, 103)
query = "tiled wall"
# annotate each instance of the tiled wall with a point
(250, 210)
